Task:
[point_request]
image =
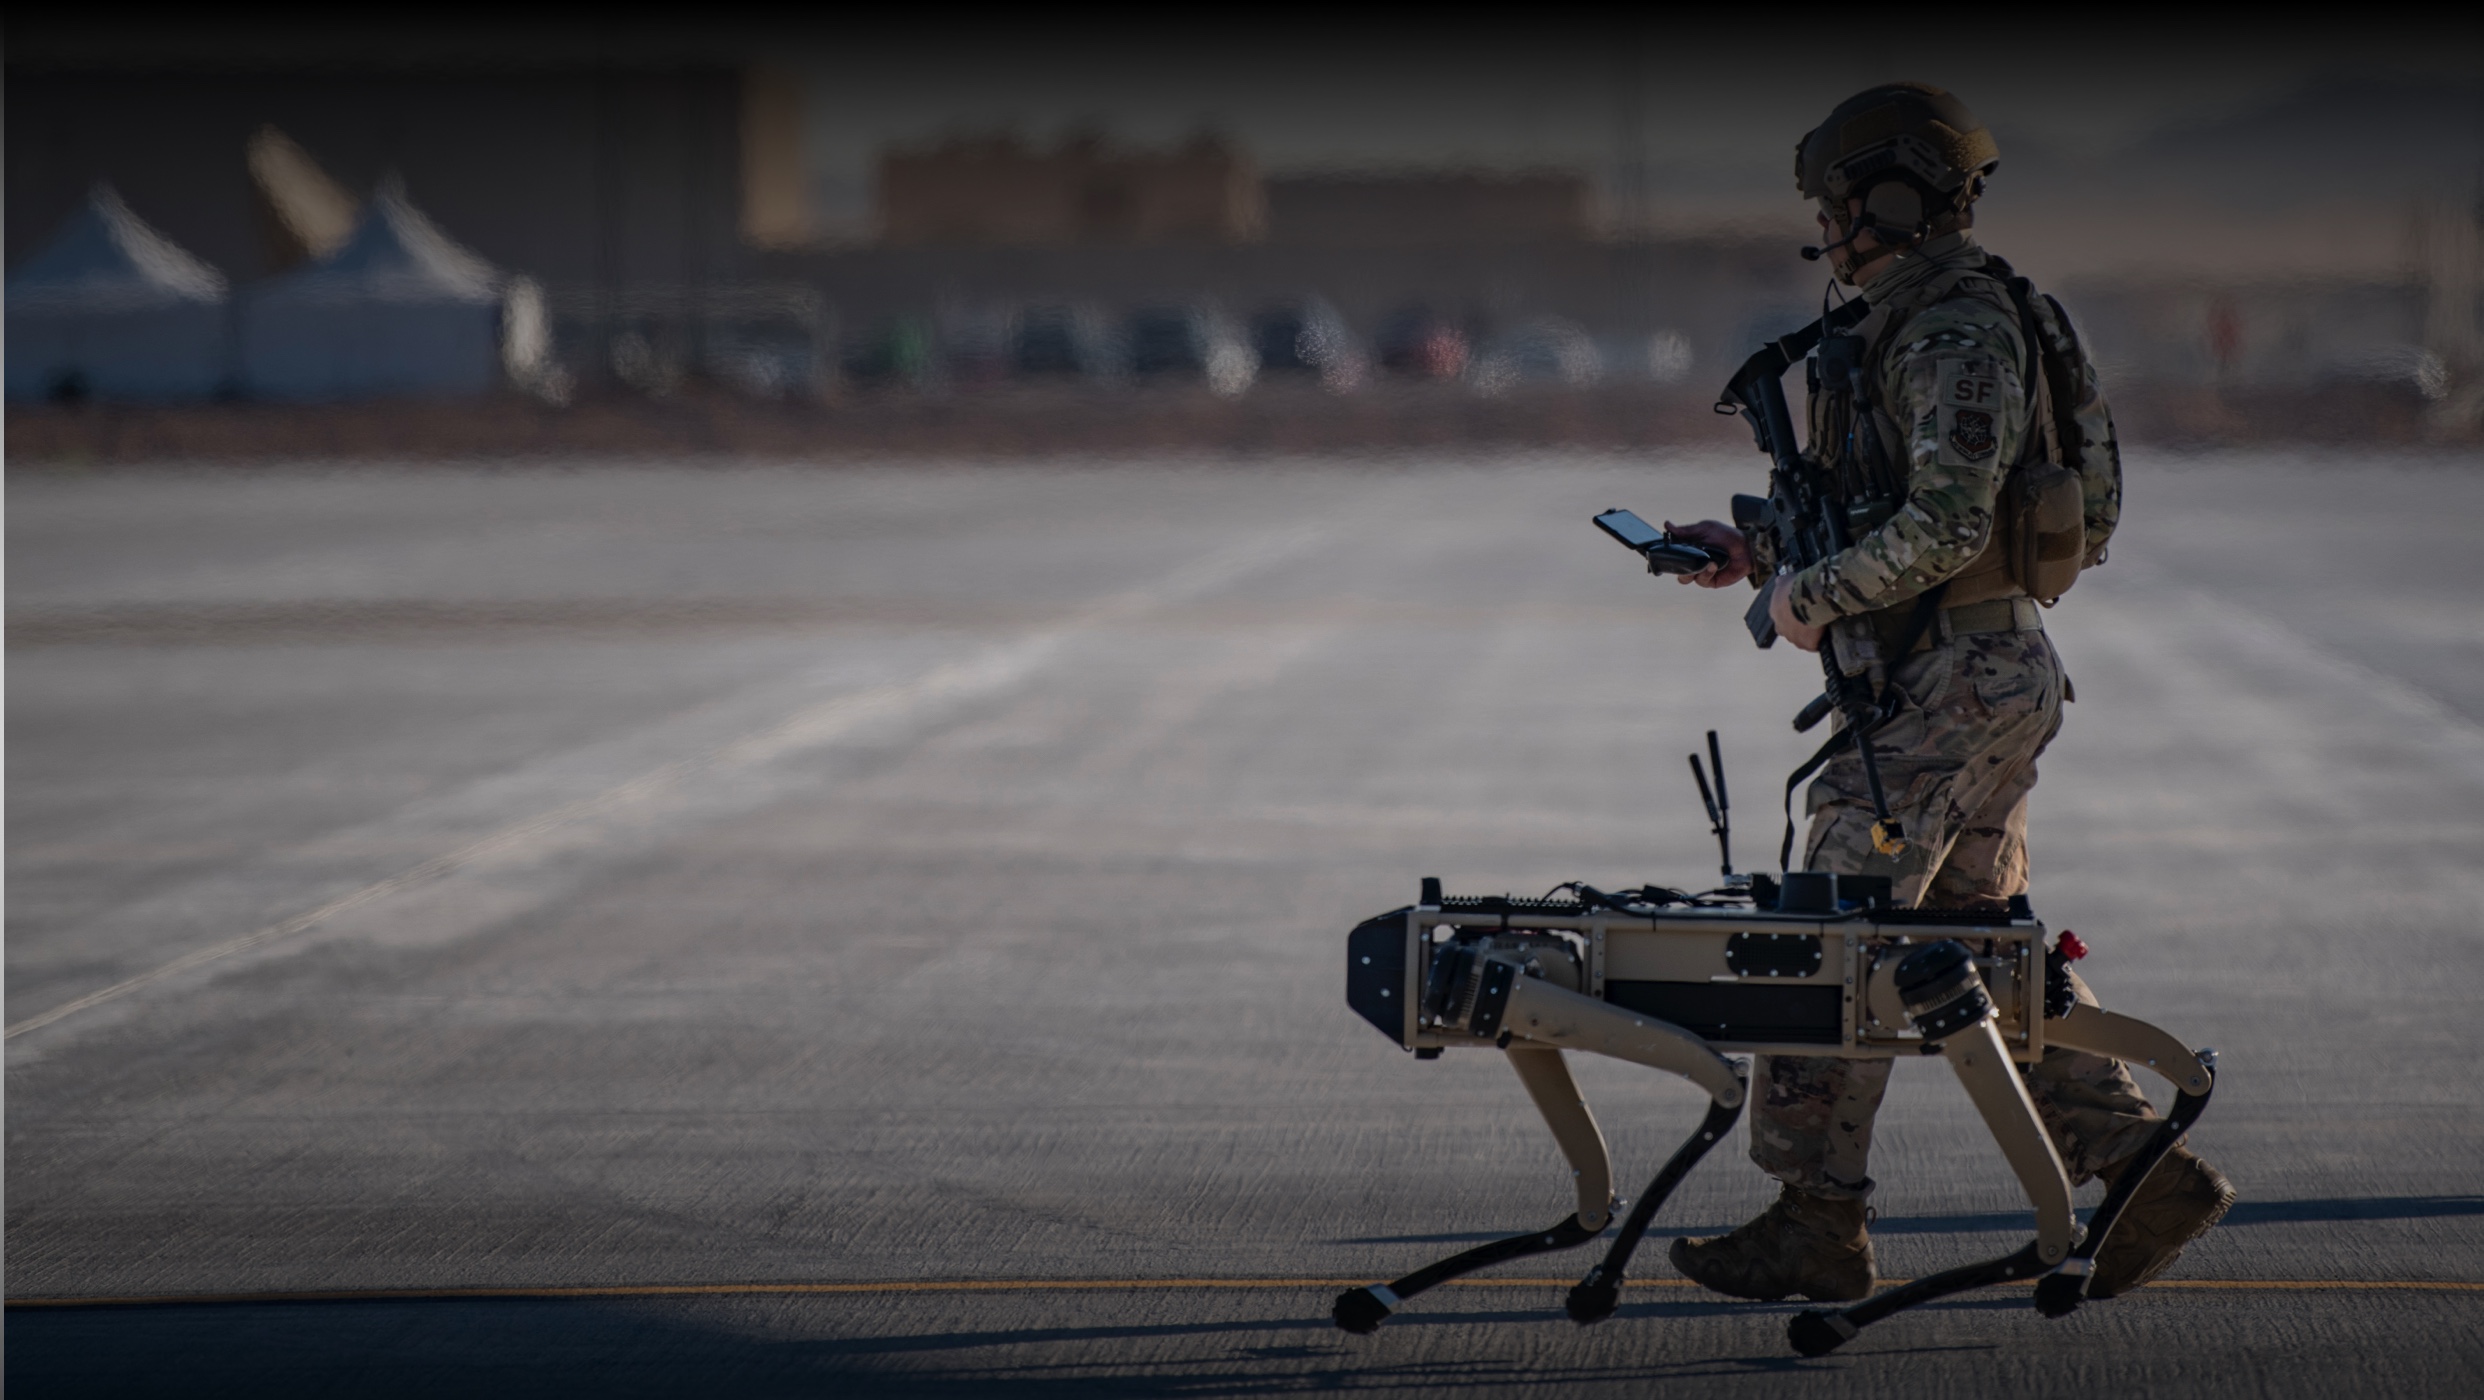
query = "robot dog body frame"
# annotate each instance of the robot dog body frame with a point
(1679, 985)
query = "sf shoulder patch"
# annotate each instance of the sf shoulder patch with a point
(1972, 397)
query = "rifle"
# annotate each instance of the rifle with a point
(1802, 525)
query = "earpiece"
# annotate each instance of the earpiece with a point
(1893, 204)
(1889, 206)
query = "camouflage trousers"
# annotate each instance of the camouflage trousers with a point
(1957, 762)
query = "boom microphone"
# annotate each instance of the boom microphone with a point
(1913, 237)
(1811, 254)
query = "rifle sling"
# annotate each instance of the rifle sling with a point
(1779, 355)
(1793, 780)
(1927, 611)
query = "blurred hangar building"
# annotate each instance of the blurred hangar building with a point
(1000, 190)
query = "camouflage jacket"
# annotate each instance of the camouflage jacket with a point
(1947, 358)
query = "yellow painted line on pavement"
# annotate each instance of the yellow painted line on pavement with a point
(1059, 1285)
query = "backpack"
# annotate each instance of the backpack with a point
(2042, 521)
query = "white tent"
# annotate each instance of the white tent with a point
(398, 309)
(113, 309)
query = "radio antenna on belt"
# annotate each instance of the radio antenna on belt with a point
(1720, 807)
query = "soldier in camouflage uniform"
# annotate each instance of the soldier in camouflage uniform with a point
(1951, 385)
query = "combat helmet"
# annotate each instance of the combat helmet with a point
(1913, 154)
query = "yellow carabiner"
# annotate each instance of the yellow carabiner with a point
(1888, 837)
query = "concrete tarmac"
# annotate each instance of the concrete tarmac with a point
(879, 931)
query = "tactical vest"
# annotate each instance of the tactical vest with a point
(2040, 526)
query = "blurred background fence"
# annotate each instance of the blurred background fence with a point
(216, 238)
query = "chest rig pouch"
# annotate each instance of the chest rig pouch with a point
(1852, 442)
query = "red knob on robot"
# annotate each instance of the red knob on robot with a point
(2069, 946)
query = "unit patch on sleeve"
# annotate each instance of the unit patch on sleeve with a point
(1970, 434)
(1971, 395)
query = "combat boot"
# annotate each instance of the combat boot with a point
(1812, 1245)
(2176, 1205)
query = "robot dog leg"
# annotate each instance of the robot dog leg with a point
(1556, 1096)
(1566, 1018)
(1498, 997)
(1594, 1297)
(1955, 1015)
(2194, 1076)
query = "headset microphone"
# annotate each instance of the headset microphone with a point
(1811, 254)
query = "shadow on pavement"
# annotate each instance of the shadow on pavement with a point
(520, 1348)
(2245, 1212)
(2250, 1212)
(774, 1346)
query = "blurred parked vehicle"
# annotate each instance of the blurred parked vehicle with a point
(1543, 351)
(1057, 339)
(1418, 342)
(649, 360)
(767, 340)
(976, 344)
(2406, 367)
(1308, 337)
(1167, 342)
(1658, 357)
(763, 362)
(1669, 358)
(899, 352)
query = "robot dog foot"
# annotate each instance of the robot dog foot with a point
(1817, 1333)
(1362, 1310)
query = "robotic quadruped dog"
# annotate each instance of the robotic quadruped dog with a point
(1812, 964)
